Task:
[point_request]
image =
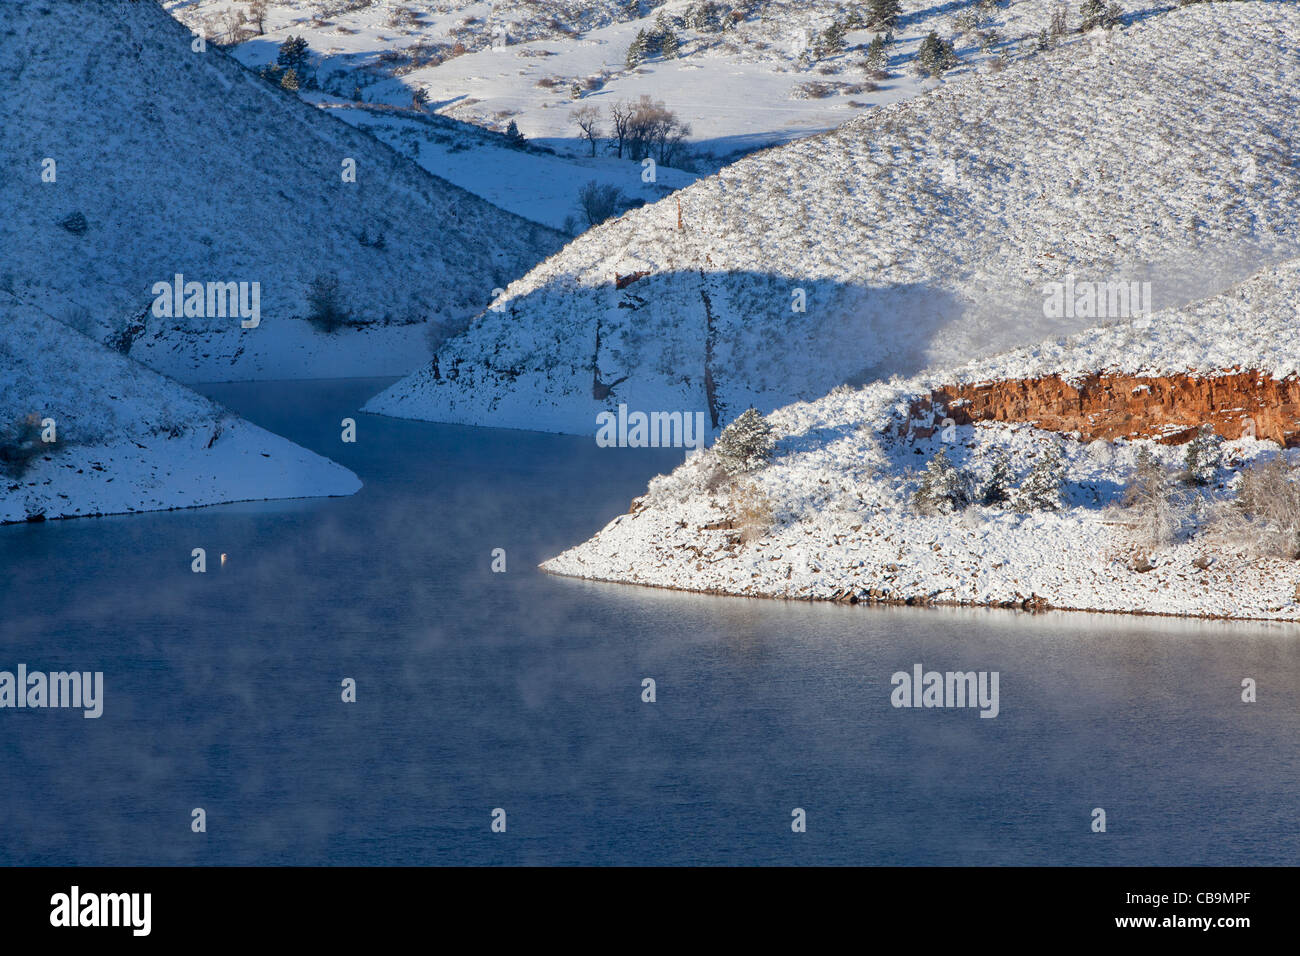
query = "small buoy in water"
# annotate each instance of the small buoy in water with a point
(223, 560)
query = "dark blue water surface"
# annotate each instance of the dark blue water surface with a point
(523, 691)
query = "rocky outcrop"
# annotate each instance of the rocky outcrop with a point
(1167, 408)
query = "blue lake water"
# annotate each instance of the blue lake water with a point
(522, 691)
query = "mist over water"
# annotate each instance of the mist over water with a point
(523, 691)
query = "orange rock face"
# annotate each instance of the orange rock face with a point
(1167, 408)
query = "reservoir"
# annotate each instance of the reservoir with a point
(478, 691)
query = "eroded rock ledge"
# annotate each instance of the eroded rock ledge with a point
(1167, 408)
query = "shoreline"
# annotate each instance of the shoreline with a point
(1031, 605)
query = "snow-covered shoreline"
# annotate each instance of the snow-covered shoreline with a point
(86, 431)
(244, 463)
(836, 518)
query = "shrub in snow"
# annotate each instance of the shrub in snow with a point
(745, 445)
(1149, 502)
(944, 488)
(1041, 489)
(1265, 518)
(705, 17)
(935, 55)
(599, 201)
(20, 445)
(289, 81)
(514, 138)
(1201, 460)
(999, 487)
(325, 304)
(752, 511)
(75, 224)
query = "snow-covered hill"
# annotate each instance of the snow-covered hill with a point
(135, 156)
(84, 431)
(833, 516)
(922, 233)
(744, 75)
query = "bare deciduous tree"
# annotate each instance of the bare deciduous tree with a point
(587, 119)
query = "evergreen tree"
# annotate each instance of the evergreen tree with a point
(883, 14)
(1201, 460)
(746, 444)
(944, 489)
(289, 81)
(294, 55)
(877, 57)
(514, 138)
(831, 40)
(670, 45)
(636, 53)
(998, 489)
(1041, 490)
(936, 55)
(1095, 13)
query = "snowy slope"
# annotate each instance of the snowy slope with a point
(537, 184)
(841, 481)
(167, 160)
(919, 234)
(742, 76)
(127, 439)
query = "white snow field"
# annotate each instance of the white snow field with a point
(133, 157)
(843, 523)
(125, 438)
(920, 234)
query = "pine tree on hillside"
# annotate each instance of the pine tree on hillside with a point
(514, 138)
(831, 40)
(883, 14)
(1041, 490)
(1201, 460)
(943, 490)
(746, 444)
(670, 46)
(294, 55)
(289, 81)
(935, 55)
(1095, 13)
(877, 58)
(636, 53)
(1000, 486)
